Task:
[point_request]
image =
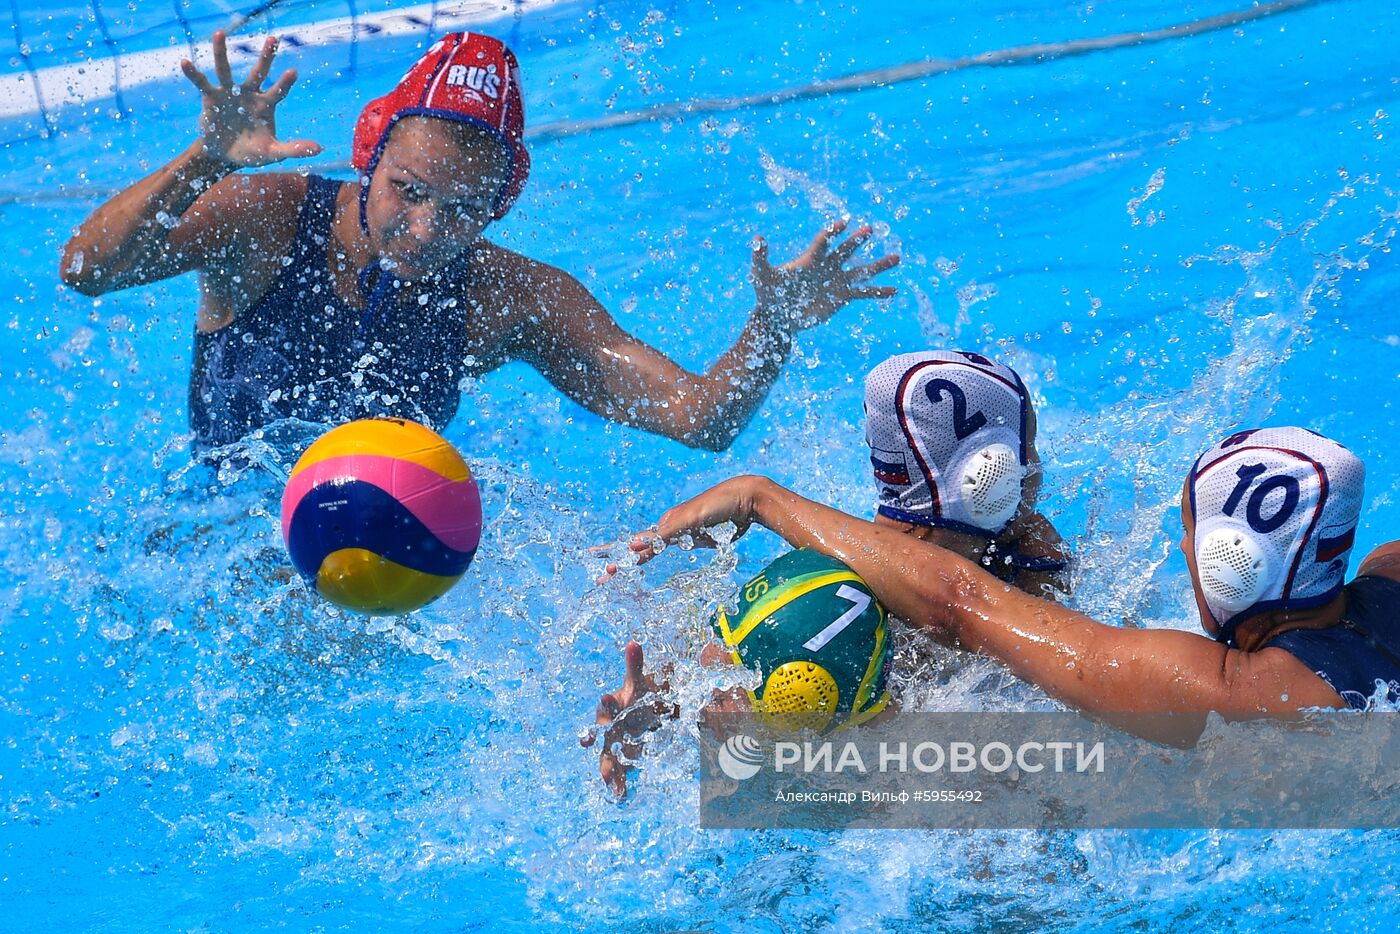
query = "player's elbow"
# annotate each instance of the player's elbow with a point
(80, 275)
(92, 288)
(712, 438)
(705, 441)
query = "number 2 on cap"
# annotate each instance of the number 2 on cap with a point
(963, 424)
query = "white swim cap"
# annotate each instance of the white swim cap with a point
(947, 436)
(1275, 513)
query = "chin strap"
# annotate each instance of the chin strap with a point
(364, 194)
(377, 297)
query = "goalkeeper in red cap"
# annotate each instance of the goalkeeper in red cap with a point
(323, 301)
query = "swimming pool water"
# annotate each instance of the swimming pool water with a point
(1167, 242)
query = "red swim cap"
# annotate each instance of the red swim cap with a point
(465, 77)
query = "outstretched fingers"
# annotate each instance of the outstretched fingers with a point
(625, 716)
(222, 69)
(608, 709)
(874, 291)
(761, 263)
(634, 682)
(847, 248)
(614, 774)
(647, 545)
(861, 273)
(642, 547)
(822, 241)
(261, 67)
(296, 149)
(279, 91)
(196, 77)
(603, 716)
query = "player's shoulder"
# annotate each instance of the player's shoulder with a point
(521, 281)
(259, 190)
(505, 262)
(1382, 562)
(265, 205)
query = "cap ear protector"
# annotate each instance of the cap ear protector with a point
(989, 483)
(799, 695)
(1235, 568)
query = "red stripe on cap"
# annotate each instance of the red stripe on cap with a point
(1329, 548)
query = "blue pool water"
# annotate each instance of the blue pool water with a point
(1167, 241)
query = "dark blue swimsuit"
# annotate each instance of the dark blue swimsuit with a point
(1360, 650)
(301, 352)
